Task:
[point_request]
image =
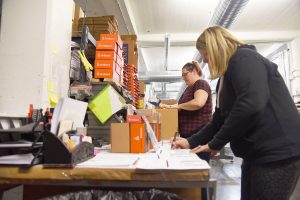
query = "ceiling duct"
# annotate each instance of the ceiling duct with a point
(226, 12)
(167, 48)
(224, 15)
(162, 76)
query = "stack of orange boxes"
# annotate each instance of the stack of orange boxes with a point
(108, 60)
(130, 82)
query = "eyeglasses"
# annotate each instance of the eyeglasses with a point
(184, 74)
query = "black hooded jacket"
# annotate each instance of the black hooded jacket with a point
(256, 114)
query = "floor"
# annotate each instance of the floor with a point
(228, 175)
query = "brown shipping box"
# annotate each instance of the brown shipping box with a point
(128, 49)
(142, 87)
(169, 122)
(151, 114)
(120, 138)
(169, 102)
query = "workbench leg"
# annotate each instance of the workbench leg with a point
(212, 189)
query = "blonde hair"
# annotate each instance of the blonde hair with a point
(220, 45)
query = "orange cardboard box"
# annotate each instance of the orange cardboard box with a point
(106, 73)
(108, 64)
(105, 64)
(134, 119)
(120, 138)
(106, 45)
(112, 37)
(106, 55)
(137, 138)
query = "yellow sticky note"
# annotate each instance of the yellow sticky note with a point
(50, 86)
(53, 97)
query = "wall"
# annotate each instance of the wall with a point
(34, 48)
(295, 69)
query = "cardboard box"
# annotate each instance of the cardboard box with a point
(169, 102)
(169, 122)
(120, 138)
(107, 64)
(142, 87)
(112, 37)
(106, 55)
(137, 138)
(151, 114)
(128, 49)
(107, 73)
(106, 45)
(129, 37)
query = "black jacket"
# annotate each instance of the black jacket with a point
(257, 114)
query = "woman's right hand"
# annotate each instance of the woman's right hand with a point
(180, 143)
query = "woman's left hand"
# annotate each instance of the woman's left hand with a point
(205, 148)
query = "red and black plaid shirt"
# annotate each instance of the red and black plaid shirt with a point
(191, 121)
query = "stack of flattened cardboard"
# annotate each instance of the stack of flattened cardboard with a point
(98, 25)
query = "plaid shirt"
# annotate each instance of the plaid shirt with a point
(191, 121)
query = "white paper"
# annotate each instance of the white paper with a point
(68, 109)
(167, 159)
(111, 160)
(151, 161)
(18, 159)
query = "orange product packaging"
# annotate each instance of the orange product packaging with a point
(106, 55)
(106, 73)
(137, 138)
(112, 37)
(106, 45)
(105, 64)
(134, 119)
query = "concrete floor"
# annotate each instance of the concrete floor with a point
(228, 176)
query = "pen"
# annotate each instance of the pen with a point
(174, 139)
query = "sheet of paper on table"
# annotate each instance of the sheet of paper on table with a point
(111, 160)
(181, 159)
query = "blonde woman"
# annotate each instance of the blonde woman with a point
(254, 113)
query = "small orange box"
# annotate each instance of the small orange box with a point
(105, 64)
(134, 119)
(106, 55)
(106, 73)
(106, 45)
(112, 37)
(137, 138)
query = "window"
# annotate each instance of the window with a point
(281, 58)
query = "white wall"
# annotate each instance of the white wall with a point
(295, 69)
(34, 47)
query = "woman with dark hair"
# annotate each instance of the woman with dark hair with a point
(194, 106)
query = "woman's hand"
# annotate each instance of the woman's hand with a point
(161, 105)
(179, 143)
(205, 148)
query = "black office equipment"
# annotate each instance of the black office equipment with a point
(37, 145)
(56, 153)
